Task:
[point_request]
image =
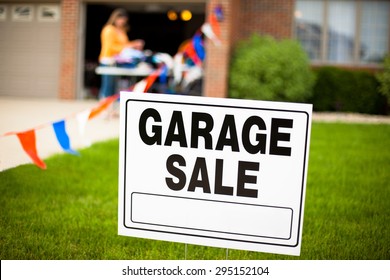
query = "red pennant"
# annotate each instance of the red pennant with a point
(27, 139)
(215, 24)
(190, 51)
(103, 105)
(150, 80)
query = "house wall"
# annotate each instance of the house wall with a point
(241, 19)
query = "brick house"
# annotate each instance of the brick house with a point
(43, 43)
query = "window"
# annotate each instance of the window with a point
(309, 29)
(343, 31)
(374, 28)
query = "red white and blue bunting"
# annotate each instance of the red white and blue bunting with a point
(193, 50)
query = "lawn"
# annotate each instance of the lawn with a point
(69, 211)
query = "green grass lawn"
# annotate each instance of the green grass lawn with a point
(69, 211)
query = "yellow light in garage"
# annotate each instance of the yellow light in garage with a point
(186, 15)
(171, 14)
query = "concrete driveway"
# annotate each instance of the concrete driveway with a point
(20, 114)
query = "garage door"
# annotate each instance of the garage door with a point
(29, 50)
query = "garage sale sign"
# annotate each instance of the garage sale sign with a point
(210, 171)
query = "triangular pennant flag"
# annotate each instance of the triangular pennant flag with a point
(198, 46)
(140, 86)
(190, 51)
(145, 84)
(218, 12)
(103, 105)
(209, 33)
(164, 74)
(62, 137)
(82, 119)
(215, 24)
(151, 79)
(177, 68)
(28, 142)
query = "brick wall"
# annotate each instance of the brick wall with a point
(217, 57)
(242, 18)
(69, 48)
(266, 17)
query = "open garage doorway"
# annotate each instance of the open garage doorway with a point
(148, 21)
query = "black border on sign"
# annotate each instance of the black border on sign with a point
(221, 106)
(216, 231)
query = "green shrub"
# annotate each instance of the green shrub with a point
(343, 90)
(384, 79)
(267, 69)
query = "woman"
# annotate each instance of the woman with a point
(114, 39)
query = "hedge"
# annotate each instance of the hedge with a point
(343, 90)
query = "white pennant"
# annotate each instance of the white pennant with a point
(140, 86)
(82, 119)
(208, 31)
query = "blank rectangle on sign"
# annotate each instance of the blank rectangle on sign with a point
(258, 221)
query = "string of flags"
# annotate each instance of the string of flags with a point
(28, 140)
(194, 50)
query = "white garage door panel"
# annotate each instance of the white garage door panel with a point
(15, 86)
(30, 57)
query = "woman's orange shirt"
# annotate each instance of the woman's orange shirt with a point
(113, 41)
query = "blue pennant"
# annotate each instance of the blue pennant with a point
(62, 137)
(198, 46)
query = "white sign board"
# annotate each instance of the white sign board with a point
(210, 171)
